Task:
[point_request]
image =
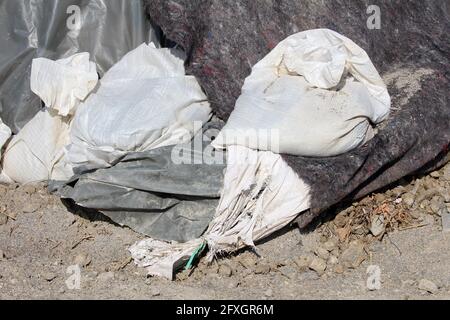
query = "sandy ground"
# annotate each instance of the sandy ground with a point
(42, 241)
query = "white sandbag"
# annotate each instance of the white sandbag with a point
(64, 83)
(5, 134)
(36, 153)
(36, 149)
(261, 195)
(316, 91)
(145, 101)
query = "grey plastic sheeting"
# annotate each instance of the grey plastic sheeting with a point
(151, 194)
(107, 29)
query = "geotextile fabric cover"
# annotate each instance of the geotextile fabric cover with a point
(225, 39)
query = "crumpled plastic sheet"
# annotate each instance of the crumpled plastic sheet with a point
(151, 193)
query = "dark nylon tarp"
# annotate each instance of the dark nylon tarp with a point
(224, 39)
(152, 194)
(107, 29)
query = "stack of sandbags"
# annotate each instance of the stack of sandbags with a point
(143, 102)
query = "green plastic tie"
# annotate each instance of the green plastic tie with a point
(196, 253)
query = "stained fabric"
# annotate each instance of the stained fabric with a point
(225, 39)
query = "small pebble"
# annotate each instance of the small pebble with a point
(445, 218)
(318, 265)
(408, 282)
(330, 245)
(268, 293)
(436, 204)
(49, 276)
(262, 268)
(354, 255)
(106, 276)
(289, 272)
(225, 270)
(82, 259)
(332, 260)
(3, 219)
(155, 292)
(428, 286)
(435, 174)
(322, 253)
(31, 207)
(408, 199)
(248, 262)
(302, 263)
(339, 269)
(379, 197)
(377, 225)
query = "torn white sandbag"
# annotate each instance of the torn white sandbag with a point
(64, 83)
(316, 93)
(36, 153)
(162, 259)
(145, 101)
(261, 194)
(5, 134)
